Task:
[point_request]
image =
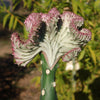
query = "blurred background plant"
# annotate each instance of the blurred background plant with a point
(87, 78)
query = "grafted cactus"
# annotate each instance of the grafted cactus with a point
(54, 35)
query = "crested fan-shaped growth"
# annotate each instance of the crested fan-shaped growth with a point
(56, 35)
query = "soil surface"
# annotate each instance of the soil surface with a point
(15, 81)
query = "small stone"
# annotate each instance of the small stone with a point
(54, 84)
(43, 92)
(47, 71)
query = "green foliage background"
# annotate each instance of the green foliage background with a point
(88, 77)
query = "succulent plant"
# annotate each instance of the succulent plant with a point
(54, 35)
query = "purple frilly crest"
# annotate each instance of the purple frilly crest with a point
(70, 27)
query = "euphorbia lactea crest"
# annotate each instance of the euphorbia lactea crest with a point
(56, 35)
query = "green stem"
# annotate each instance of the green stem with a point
(48, 91)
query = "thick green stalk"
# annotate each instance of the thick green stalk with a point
(48, 91)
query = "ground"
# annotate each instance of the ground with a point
(15, 81)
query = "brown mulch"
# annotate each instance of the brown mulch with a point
(15, 81)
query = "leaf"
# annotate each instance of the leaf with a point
(93, 36)
(75, 6)
(2, 2)
(5, 19)
(36, 80)
(13, 1)
(26, 33)
(91, 23)
(48, 3)
(97, 5)
(36, 58)
(92, 55)
(25, 3)
(16, 4)
(81, 7)
(29, 4)
(82, 54)
(15, 23)
(11, 22)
